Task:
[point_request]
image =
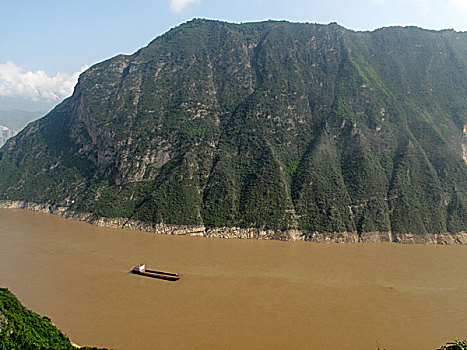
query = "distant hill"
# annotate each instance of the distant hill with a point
(271, 125)
(11, 122)
(12, 103)
(17, 119)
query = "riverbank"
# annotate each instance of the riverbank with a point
(246, 293)
(21, 328)
(238, 232)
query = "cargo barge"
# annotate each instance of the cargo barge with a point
(141, 270)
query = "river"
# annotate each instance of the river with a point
(234, 294)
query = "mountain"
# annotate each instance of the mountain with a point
(12, 121)
(271, 125)
(14, 103)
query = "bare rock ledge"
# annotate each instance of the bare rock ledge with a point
(238, 232)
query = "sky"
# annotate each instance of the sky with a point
(44, 45)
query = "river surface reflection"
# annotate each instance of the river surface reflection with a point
(234, 294)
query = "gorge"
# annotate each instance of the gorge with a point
(276, 129)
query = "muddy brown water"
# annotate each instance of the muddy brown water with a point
(234, 294)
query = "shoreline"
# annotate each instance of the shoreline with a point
(242, 233)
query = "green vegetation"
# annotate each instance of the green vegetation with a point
(23, 329)
(273, 125)
(292, 167)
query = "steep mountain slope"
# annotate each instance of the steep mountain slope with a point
(274, 125)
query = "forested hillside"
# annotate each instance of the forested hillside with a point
(272, 125)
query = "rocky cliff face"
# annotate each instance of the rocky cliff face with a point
(264, 127)
(464, 144)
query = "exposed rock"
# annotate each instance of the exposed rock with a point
(464, 144)
(3, 321)
(238, 232)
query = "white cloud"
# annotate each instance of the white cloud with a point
(460, 3)
(179, 5)
(17, 82)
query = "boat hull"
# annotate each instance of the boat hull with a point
(157, 274)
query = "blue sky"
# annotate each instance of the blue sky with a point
(45, 44)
